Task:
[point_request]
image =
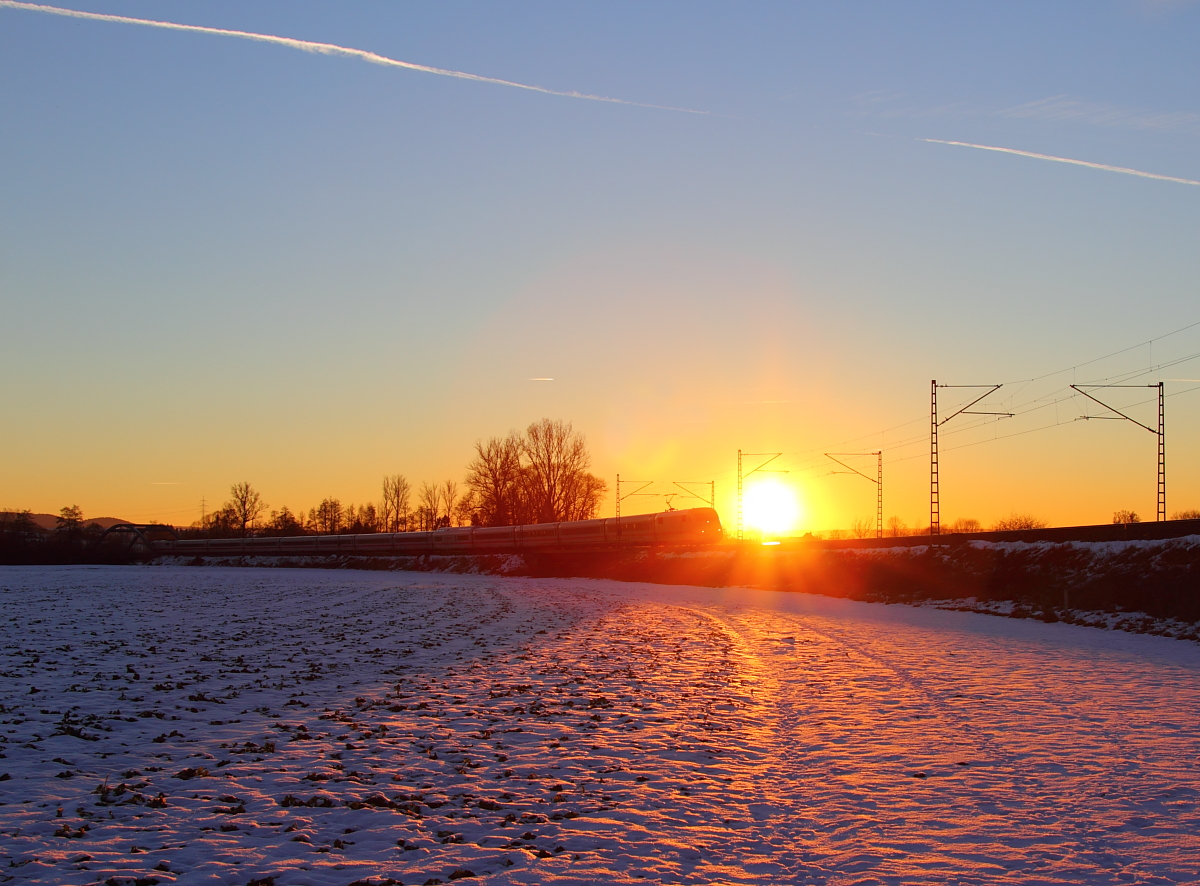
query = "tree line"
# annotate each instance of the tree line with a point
(540, 475)
(895, 527)
(72, 540)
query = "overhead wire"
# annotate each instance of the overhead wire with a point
(806, 462)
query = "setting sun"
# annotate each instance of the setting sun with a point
(771, 507)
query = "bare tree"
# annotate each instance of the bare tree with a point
(429, 497)
(896, 528)
(363, 519)
(327, 517)
(246, 506)
(1191, 514)
(19, 533)
(863, 527)
(582, 496)
(222, 523)
(1126, 517)
(965, 524)
(467, 511)
(394, 509)
(449, 500)
(69, 519)
(386, 520)
(494, 480)
(555, 477)
(284, 523)
(1019, 521)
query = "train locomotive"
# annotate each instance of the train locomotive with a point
(688, 527)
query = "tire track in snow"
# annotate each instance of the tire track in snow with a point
(1095, 855)
(842, 838)
(1074, 802)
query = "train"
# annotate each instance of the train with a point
(687, 527)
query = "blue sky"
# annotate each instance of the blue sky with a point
(225, 260)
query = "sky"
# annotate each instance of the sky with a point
(224, 259)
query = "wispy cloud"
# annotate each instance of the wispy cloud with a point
(1124, 170)
(328, 49)
(1063, 108)
(898, 106)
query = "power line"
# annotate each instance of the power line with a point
(805, 463)
(877, 480)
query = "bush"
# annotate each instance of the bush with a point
(1019, 521)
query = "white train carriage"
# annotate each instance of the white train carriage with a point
(582, 533)
(695, 526)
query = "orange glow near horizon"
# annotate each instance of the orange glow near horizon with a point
(771, 507)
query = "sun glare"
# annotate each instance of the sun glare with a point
(771, 507)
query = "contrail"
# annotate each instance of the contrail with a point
(327, 49)
(1124, 170)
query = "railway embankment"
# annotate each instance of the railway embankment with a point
(1144, 585)
(1141, 585)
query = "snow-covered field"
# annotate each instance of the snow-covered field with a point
(247, 726)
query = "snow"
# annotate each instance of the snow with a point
(574, 731)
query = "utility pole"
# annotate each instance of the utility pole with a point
(1160, 432)
(879, 496)
(620, 497)
(935, 516)
(770, 456)
(877, 479)
(1162, 457)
